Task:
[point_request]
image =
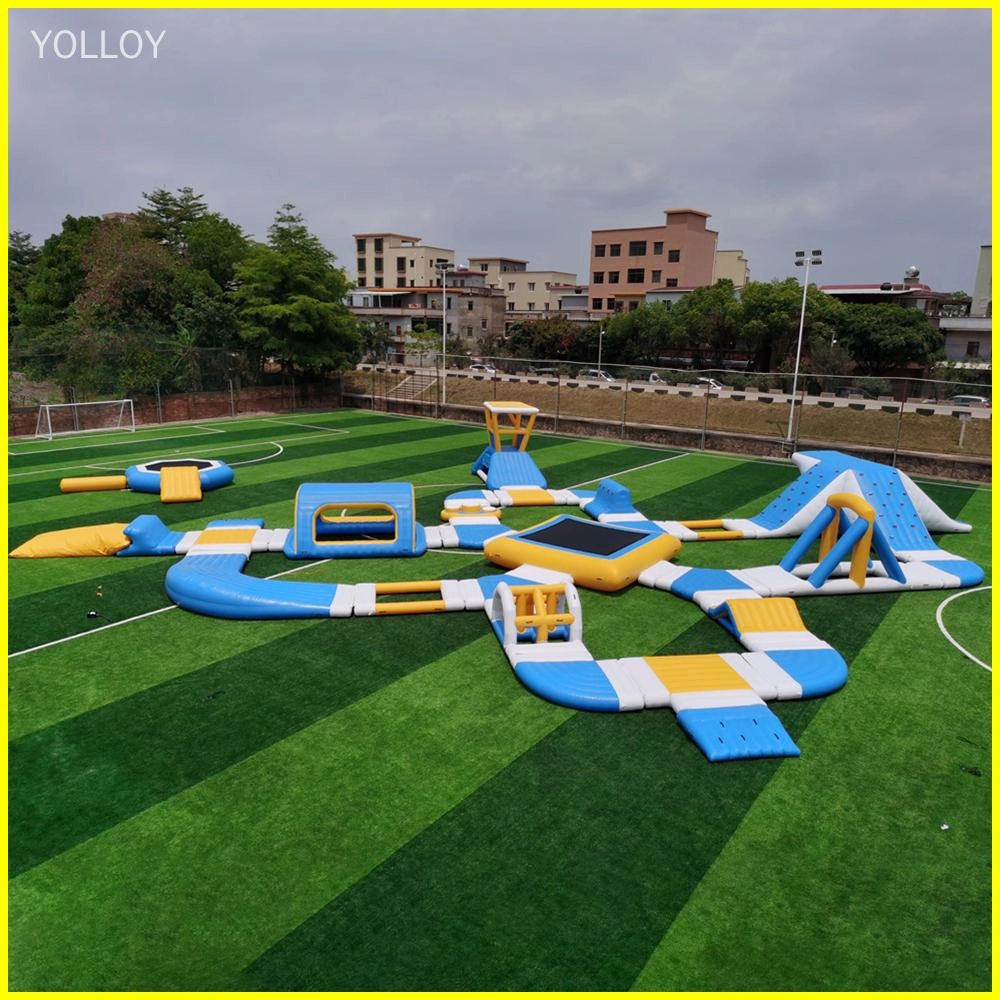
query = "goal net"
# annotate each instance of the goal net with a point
(79, 418)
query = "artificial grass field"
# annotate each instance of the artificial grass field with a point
(377, 804)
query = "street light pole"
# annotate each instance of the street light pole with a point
(600, 342)
(443, 267)
(801, 259)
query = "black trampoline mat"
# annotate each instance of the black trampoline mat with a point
(587, 537)
(177, 463)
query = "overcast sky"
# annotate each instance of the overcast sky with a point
(516, 132)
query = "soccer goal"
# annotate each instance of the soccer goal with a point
(79, 418)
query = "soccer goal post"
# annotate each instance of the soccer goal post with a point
(80, 418)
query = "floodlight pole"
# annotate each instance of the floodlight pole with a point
(801, 259)
(443, 267)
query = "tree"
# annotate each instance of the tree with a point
(709, 318)
(642, 335)
(166, 216)
(129, 282)
(886, 336)
(549, 338)
(54, 281)
(291, 299)
(22, 255)
(769, 320)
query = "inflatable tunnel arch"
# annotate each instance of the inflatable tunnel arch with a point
(338, 520)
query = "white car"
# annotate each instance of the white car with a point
(489, 369)
(711, 383)
(598, 373)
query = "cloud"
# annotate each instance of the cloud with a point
(516, 132)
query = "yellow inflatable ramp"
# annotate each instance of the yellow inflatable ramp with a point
(95, 540)
(768, 614)
(180, 484)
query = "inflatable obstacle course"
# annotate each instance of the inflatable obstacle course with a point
(869, 525)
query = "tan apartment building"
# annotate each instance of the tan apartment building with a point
(626, 263)
(529, 294)
(392, 260)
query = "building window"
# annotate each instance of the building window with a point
(531, 307)
(361, 265)
(612, 305)
(378, 245)
(531, 286)
(361, 246)
(484, 267)
(401, 265)
(472, 305)
(379, 283)
(599, 249)
(597, 304)
(671, 282)
(658, 248)
(656, 277)
(482, 323)
(510, 286)
(412, 262)
(613, 277)
(673, 256)
(598, 277)
(547, 306)
(637, 248)
(632, 306)
(616, 249)
(510, 307)
(636, 275)
(972, 349)
(378, 265)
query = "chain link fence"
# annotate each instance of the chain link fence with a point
(720, 409)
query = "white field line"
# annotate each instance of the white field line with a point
(42, 473)
(136, 618)
(940, 621)
(625, 472)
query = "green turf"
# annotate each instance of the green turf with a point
(199, 805)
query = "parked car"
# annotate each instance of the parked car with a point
(710, 383)
(547, 372)
(969, 401)
(488, 369)
(853, 392)
(653, 377)
(599, 373)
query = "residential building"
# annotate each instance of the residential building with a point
(474, 313)
(732, 264)
(529, 294)
(626, 263)
(392, 260)
(968, 339)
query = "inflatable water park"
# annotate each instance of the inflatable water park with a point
(866, 526)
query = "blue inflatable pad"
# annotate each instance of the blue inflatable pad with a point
(697, 579)
(967, 572)
(573, 683)
(737, 732)
(818, 671)
(215, 584)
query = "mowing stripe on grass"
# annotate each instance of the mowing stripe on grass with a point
(571, 896)
(187, 893)
(891, 871)
(202, 722)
